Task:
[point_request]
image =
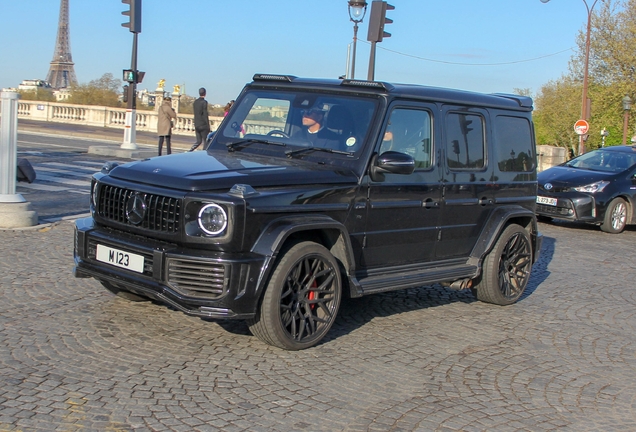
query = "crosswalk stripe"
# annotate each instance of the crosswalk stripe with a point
(72, 177)
(55, 179)
(42, 187)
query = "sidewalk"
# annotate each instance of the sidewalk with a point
(116, 136)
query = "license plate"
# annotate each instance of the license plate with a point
(546, 201)
(119, 258)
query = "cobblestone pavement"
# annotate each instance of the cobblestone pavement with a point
(73, 357)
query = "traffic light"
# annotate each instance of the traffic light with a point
(456, 147)
(125, 94)
(129, 75)
(132, 76)
(134, 12)
(377, 20)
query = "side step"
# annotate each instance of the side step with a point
(415, 278)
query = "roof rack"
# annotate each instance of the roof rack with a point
(272, 77)
(368, 84)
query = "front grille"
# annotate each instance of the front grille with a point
(197, 278)
(92, 254)
(560, 211)
(555, 189)
(162, 214)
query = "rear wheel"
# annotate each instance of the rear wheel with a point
(506, 269)
(615, 217)
(301, 300)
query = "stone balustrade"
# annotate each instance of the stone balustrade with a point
(89, 115)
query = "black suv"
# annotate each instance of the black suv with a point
(312, 190)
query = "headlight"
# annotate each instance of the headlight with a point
(592, 188)
(212, 219)
(94, 194)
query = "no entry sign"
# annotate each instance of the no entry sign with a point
(581, 127)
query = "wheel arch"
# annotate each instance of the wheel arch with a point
(498, 221)
(324, 230)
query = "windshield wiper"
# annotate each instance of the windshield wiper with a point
(291, 153)
(245, 143)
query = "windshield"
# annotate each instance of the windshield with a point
(331, 125)
(603, 160)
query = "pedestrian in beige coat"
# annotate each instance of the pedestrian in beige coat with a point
(165, 115)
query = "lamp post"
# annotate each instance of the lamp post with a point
(357, 10)
(604, 134)
(627, 105)
(584, 108)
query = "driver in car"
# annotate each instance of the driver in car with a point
(314, 131)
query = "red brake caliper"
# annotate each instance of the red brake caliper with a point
(312, 294)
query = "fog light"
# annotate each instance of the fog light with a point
(212, 219)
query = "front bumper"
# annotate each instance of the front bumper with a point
(571, 206)
(195, 281)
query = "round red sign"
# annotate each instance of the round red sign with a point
(581, 127)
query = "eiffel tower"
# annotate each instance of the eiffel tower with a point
(61, 73)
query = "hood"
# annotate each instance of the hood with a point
(200, 171)
(571, 177)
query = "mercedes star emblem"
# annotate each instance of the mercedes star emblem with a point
(136, 208)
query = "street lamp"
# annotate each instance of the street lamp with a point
(627, 105)
(584, 108)
(357, 10)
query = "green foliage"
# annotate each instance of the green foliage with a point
(611, 76)
(45, 95)
(102, 92)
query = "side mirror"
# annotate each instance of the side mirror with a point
(391, 162)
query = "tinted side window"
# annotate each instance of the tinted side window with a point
(514, 149)
(465, 141)
(409, 131)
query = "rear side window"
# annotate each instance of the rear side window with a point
(465, 141)
(513, 142)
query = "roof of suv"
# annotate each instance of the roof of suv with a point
(499, 100)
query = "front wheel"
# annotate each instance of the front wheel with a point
(301, 300)
(615, 217)
(506, 269)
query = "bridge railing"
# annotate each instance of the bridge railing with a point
(91, 115)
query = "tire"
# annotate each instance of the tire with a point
(301, 299)
(506, 269)
(615, 217)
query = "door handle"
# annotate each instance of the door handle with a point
(485, 201)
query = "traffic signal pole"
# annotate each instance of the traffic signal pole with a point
(134, 25)
(376, 33)
(130, 128)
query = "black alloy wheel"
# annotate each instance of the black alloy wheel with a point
(506, 269)
(302, 298)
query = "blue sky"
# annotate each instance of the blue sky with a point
(478, 45)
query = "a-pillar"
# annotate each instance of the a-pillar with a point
(15, 211)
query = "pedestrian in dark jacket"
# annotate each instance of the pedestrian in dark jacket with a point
(165, 115)
(201, 119)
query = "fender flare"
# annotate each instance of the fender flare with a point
(274, 235)
(496, 224)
